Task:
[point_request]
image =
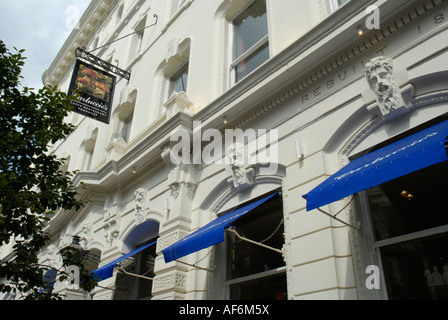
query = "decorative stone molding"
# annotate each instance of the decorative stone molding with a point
(172, 48)
(112, 224)
(116, 149)
(140, 210)
(178, 102)
(223, 199)
(182, 174)
(170, 281)
(166, 241)
(86, 235)
(372, 125)
(128, 98)
(191, 190)
(52, 257)
(92, 134)
(112, 229)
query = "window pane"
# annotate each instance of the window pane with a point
(180, 84)
(417, 270)
(179, 81)
(252, 62)
(251, 26)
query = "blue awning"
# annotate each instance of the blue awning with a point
(209, 235)
(418, 151)
(106, 271)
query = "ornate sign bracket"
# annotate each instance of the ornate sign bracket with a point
(109, 67)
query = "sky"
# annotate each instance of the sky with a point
(41, 28)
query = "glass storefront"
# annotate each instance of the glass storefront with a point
(410, 228)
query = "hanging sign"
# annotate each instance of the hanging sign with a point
(95, 89)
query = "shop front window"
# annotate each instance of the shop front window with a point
(410, 229)
(254, 272)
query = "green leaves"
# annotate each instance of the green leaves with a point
(32, 186)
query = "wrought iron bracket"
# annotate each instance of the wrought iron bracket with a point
(109, 67)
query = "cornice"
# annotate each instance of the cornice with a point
(81, 34)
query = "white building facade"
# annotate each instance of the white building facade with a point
(313, 86)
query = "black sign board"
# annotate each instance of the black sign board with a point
(95, 89)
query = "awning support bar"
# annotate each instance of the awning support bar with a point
(339, 220)
(254, 242)
(192, 265)
(133, 274)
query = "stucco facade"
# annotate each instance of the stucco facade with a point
(313, 89)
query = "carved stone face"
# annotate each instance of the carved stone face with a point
(381, 81)
(379, 73)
